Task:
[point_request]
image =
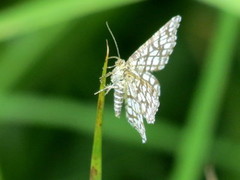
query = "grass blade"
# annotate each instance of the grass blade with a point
(61, 113)
(198, 135)
(31, 16)
(231, 6)
(96, 160)
(18, 58)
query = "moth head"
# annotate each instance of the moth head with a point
(119, 62)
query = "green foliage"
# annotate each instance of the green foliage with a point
(30, 16)
(51, 55)
(206, 103)
(231, 6)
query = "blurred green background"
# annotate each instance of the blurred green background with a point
(51, 57)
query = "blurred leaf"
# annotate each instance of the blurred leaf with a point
(198, 135)
(231, 6)
(63, 113)
(20, 55)
(33, 15)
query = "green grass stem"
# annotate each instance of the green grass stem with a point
(96, 160)
(201, 121)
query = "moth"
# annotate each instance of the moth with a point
(133, 82)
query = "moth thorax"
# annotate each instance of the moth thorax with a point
(118, 71)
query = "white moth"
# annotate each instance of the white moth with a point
(135, 85)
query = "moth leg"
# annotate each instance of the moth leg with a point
(105, 76)
(107, 89)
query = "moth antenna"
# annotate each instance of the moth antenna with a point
(115, 42)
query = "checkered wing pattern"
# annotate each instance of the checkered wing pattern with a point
(133, 82)
(142, 101)
(153, 55)
(143, 89)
